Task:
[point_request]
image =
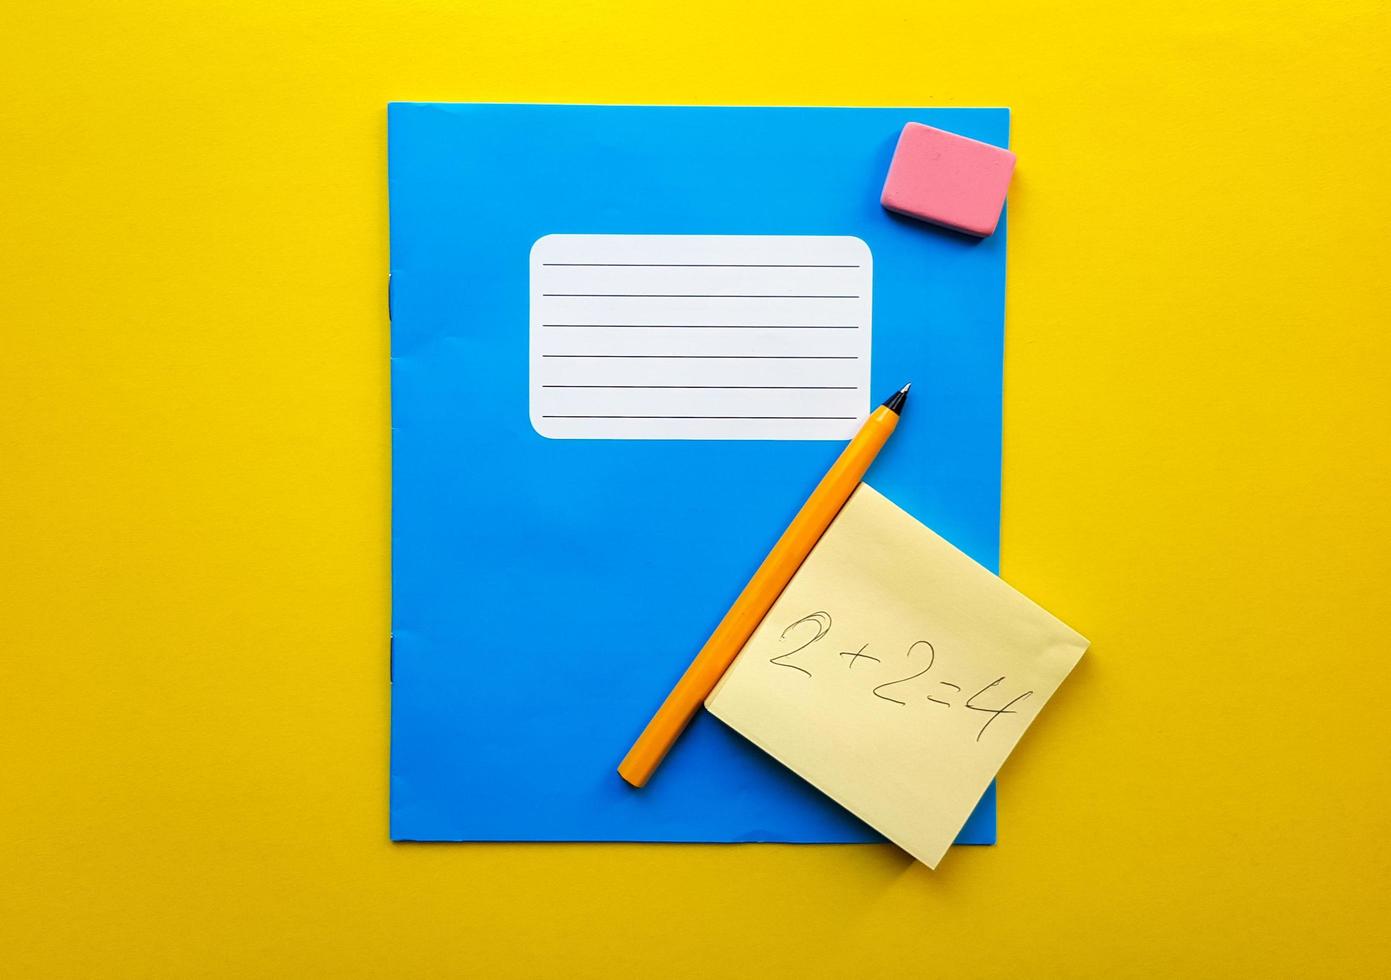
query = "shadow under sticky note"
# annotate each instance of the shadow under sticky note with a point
(548, 592)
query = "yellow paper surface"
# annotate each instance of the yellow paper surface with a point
(194, 473)
(896, 675)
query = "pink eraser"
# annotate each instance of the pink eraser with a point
(948, 179)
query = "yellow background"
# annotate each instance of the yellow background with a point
(194, 489)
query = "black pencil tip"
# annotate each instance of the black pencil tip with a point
(894, 402)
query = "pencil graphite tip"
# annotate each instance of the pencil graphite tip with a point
(895, 402)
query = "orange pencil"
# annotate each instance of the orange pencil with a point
(762, 591)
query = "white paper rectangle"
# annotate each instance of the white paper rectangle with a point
(700, 336)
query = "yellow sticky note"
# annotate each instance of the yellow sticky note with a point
(896, 675)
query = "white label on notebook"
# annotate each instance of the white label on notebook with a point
(700, 336)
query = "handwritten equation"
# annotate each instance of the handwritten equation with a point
(913, 688)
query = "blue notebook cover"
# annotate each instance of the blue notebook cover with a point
(547, 593)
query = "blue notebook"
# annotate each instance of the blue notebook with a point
(626, 344)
